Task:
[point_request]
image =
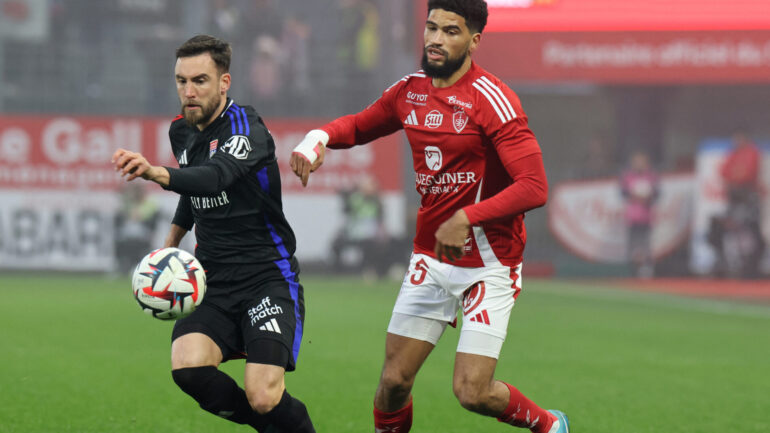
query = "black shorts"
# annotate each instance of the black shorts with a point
(247, 303)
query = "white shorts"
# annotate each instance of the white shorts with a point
(433, 292)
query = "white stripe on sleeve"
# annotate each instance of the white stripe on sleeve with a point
(491, 101)
(502, 95)
(494, 94)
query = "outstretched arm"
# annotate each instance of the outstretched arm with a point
(133, 164)
(377, 120)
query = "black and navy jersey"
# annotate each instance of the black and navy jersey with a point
(230, 189)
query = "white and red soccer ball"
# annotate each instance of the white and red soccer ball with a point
(169, 283)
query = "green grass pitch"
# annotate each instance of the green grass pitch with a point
(77, 355)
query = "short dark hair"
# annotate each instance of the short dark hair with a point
(474, 11)
(218, 49)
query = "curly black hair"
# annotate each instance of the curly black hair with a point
(474, 11)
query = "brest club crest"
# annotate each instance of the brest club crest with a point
(433, 158)
(459, 120)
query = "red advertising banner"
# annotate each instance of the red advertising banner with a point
(628, 58)
(623, 42)
(614, 15)
(73, 153)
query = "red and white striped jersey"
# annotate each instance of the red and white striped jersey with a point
(472, 150)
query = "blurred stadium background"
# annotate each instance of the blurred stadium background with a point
(599, 79)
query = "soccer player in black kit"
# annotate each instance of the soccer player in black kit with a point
(230, 191)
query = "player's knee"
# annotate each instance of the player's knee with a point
(263, 400)
(395, 382)
(194, 350)
(471, 397)
(470, 400)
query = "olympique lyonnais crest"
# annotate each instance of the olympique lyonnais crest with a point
(213, 147)
(434, 119)
(433, 158)
(459, 120)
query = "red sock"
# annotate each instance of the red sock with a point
(523, 412)
(399, 421)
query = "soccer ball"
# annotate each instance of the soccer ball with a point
(169, 283)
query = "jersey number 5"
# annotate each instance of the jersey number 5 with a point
(420, 270)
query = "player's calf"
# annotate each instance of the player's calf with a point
(290, 416)
(474, 386)
(478, 398)
(266, 391)
(218, 393)
(523, 412)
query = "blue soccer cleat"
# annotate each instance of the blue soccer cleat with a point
(563, 426)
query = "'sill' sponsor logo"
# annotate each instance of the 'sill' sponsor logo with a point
(434, 119)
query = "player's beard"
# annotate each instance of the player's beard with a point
(444, 70)
(202, 116)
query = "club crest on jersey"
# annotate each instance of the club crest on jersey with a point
(433, 158)
(237, 146)
(459, 120)
(434, 119)
(213, 147)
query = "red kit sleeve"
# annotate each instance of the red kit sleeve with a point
(529, 190)
(505, 123)
(377, 120)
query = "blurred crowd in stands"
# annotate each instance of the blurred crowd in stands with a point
(326, 58)
(116, 56)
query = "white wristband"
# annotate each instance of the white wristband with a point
(309, 145)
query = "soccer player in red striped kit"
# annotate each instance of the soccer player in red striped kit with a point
(478, 169)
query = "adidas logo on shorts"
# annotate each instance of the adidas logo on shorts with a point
(271, 325)
(482, 317)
